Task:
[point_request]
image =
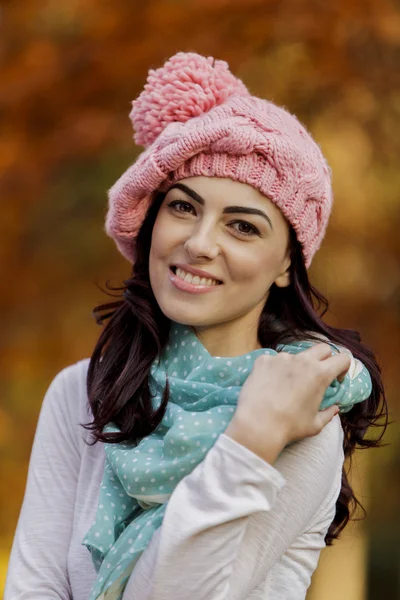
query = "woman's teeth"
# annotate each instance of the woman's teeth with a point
(194, 279)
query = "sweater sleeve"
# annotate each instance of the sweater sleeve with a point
(197, 552)
(37, 567)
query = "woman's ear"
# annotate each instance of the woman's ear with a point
(283, 279)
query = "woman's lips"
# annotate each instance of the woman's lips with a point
(194, 271)
(185, 286)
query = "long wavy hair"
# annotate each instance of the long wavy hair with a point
(135, 332)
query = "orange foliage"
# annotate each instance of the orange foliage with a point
(68, 73)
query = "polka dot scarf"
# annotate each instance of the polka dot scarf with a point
(138, 480)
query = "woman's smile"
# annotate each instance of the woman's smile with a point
(192, 283)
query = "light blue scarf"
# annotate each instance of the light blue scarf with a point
(138, 480)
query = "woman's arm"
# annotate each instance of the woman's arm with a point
(209, 546)
(38, 562)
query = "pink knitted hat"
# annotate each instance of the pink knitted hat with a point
(195, 118)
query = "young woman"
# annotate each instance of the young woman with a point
(215, 386)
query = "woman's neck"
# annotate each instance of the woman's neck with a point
(229, 339)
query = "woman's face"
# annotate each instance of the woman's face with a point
(233, 234)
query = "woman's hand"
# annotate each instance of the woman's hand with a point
(279, 402)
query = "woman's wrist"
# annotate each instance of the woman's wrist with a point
(266, 443)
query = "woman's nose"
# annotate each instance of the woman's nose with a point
(202, 244)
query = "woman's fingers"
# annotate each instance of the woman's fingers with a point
(342, 375)
(336, 366)
(319, 351)
(284, 393)
(324, 416)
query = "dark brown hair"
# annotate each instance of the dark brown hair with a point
(136, 331)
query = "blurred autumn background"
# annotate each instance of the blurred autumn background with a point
(69, 70)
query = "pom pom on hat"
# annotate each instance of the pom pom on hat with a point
(187, 86)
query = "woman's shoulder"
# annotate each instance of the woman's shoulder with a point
(74, 374)
(67, 393)
(71, 380)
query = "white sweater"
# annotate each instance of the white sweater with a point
(235, 528)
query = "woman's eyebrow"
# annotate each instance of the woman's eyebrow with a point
(228, 209)
(247, 211)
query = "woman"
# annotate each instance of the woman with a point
(222, 471)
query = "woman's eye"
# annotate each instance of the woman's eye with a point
(180, 206)
(245, 228)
